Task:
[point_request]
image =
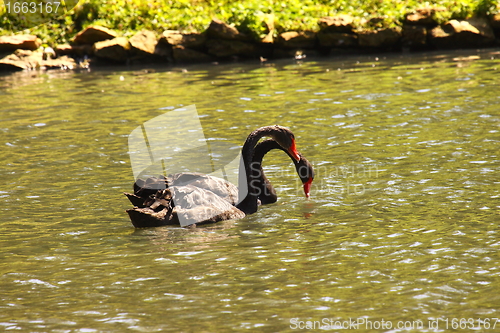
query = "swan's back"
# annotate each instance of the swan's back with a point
(218, 186)
(183, 198)
(194, 204)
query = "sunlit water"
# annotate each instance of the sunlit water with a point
(402, 224)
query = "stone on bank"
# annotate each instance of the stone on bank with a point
(116, 49)
(23, 42)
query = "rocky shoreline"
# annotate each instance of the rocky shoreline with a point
(221, 42)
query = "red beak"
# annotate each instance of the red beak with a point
(293, 151)
(307, 187)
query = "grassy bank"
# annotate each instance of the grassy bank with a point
(128, 16)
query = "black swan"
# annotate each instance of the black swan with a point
(145, 190)
(191, 198)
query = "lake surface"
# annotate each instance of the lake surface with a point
(400, 233)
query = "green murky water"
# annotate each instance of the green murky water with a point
(401, 229)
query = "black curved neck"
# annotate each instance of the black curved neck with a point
(266, 192)
(249, 175)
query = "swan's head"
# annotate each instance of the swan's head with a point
(306, 174)
(286, 139)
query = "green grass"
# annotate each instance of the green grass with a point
(128, 16)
